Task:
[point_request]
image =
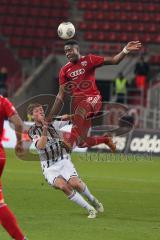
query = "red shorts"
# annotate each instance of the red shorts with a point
(95, 102)
(2, 163)
(92, 105)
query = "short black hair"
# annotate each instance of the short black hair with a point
(71, 42)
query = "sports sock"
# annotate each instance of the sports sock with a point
(92, 141)
(88, 194)
(78, 199)
(8, 221)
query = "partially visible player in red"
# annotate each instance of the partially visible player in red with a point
(78, 75)
(7, 218)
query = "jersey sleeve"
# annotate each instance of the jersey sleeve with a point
(8, 107)
(62, 78)
(96, 61)
(60, 124)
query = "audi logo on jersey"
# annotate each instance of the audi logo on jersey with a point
(77, 72)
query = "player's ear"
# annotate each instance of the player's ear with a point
(77, 47)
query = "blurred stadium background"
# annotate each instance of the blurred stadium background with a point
(32, 52)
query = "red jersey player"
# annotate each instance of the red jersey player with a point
(78, 75)
(7, 219)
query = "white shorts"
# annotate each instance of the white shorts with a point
(63, 168)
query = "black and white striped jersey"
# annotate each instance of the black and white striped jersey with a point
(54, 151)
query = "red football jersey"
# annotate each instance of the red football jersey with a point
(79, 78)
(6, 111)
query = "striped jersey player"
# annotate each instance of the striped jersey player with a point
(56, 163)
(54, 149)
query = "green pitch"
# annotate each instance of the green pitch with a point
(128, 188)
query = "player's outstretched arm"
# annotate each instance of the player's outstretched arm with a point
(57, 104)
(130, 47)
(18, 123)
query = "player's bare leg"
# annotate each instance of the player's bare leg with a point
(82, 188)
(74, 196)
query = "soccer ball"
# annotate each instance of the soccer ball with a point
(66, 30)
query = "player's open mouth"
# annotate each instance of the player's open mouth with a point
(70, 58)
